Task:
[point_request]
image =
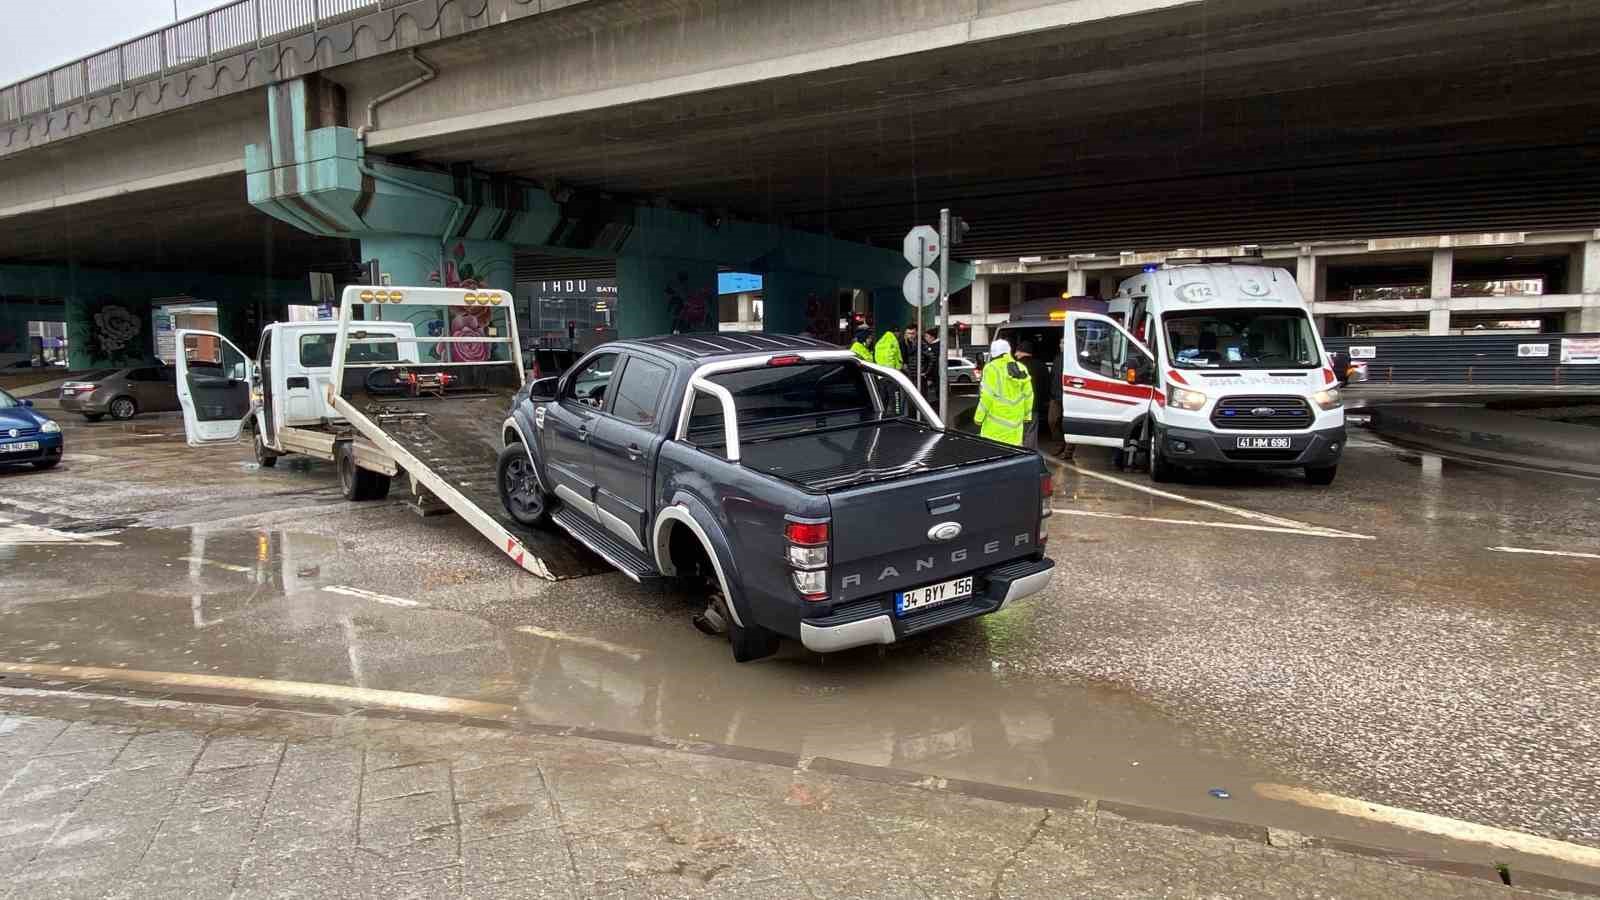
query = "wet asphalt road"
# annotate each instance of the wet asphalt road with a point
(1360, 639)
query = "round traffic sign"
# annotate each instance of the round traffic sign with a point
(921, 247)
(925, 293)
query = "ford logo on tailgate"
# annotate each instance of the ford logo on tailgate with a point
(945, 531)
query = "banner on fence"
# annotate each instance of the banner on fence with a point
(1580, 351)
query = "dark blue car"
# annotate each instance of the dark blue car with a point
(26, 436)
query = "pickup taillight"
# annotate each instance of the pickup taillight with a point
(1047, 490)
(808, 557)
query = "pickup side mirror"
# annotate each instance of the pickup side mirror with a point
(27, 404)
(543, 389)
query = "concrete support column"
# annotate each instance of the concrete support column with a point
(663, 295)
(800, 302)
(1585, 320)
(1444, 263)
(1439, 319)
(747, 309)
(1077, 283)
(1305, 277)
(1587, 260)
(413, 260)
(980, 311)
(1439, 291)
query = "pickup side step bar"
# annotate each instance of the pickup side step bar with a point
(630, 561)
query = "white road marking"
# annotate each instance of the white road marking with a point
(373, 596)
(1278, 521)
(19, 534)
(1429, 823)
(1306, 532)
(582, 641)
(244, 570)
(1571, 553)
(300, 690)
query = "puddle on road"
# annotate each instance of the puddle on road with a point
(268, 604)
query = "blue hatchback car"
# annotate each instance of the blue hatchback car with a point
(26, 436)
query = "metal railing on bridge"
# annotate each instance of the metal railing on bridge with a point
(226, 30)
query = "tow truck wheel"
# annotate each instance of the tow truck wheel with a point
(359, 484)
(265, 458)
(520, 492)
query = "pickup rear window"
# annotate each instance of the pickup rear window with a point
(779, 400)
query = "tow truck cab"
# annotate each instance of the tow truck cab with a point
(1216, 365)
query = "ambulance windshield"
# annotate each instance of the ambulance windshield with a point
(1241, 339)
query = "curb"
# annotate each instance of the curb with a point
(1428, 432)
(1257, 834)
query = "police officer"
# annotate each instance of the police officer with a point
(886, 352)
(1005, 402)
(859, 347)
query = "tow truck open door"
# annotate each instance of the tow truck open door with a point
(215, 387)
(1107, 381)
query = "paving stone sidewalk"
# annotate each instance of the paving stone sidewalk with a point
(144, 799)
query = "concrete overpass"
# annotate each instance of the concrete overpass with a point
(802, 138)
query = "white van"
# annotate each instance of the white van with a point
(1218, 365)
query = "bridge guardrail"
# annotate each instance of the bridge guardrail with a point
(225, 30)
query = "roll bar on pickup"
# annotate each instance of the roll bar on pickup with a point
(701, 381)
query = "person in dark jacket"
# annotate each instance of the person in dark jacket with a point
(1039, 374)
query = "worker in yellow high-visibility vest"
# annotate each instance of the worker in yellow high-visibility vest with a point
(1005, 401)
(859, 346)
(886, 352)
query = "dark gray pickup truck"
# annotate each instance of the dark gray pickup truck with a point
(817, 496)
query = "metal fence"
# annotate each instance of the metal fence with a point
(227, 29)
(1485, 359)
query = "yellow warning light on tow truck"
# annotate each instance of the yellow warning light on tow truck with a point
(1058, 315)
(367, 297)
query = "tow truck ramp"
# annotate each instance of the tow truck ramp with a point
(441, 420)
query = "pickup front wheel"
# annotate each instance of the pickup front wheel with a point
(520, 491)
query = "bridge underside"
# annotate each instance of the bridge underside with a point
(1205, 124)
(1202, 124)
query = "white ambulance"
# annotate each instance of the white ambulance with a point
(1210, 365)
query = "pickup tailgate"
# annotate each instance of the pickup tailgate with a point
(881, 528)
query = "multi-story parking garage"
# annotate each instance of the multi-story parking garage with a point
(1509, 282)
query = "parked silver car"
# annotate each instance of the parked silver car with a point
(121, 393)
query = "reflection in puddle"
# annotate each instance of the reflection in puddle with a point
(279, 605)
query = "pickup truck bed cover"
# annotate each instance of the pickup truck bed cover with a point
(854, 455)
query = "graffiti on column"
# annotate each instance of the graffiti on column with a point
(691, 308)
(461, 272)
(115, 329)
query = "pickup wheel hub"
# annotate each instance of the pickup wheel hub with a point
(523, 488)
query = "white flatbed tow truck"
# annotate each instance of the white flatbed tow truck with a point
(379, 401)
